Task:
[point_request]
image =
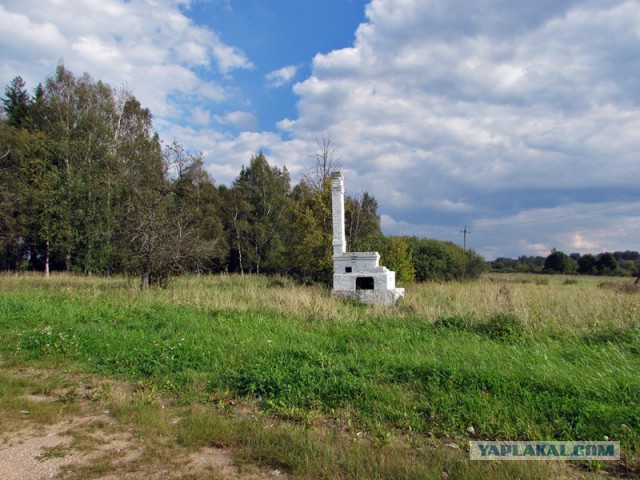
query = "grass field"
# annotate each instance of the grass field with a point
(364, 389)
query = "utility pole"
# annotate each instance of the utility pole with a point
(465, 231)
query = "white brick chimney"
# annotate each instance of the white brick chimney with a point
(357, 275)
(337, 208)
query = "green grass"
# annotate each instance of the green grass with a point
(327, 453)
(503, 355)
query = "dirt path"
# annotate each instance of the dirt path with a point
(40, 440)
(76, 449)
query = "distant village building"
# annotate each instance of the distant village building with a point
(357, 275)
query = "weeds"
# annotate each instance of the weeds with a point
(502, 326)
(499, 326)
(48, 341)
(57, 451)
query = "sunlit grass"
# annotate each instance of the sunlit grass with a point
(542, 302)
(165, 434)
(514, 356)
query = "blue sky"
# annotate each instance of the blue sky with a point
(517, 119)
(278, 34)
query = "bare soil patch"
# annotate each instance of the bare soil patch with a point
(91, 443)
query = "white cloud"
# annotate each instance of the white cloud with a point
(150, 46)
(225, 154)
(193, 53)
(211, 91)
(281, 77)
(534, 249)
(236, 152)
(240, 120)
(24, 36)
(201, 116)
(493, 107)
(580, 243)
(392, 226)
(93, 49)
(400, 227)
(229, 58)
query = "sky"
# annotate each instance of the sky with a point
(518, 120)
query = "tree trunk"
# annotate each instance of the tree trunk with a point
(46, 258)
(145, 279)
(239, 251)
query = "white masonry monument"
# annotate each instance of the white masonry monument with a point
(357, 275)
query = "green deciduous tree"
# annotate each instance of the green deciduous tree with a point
(395, 254)
(42, 207)
(145, 196)
(361, 218)
(559, 262)
(235, 207)
(264, 189)
(196, 235)
(12, 198)
(310, 233)
(587, 264)
(606, 263)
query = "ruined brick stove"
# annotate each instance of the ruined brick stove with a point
(357, 275)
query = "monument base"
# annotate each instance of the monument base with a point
(371, 297)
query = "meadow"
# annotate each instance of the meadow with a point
(368, 392)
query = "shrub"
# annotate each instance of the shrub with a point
(435, 260)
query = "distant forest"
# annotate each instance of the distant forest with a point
(87, 186)
(606, 263)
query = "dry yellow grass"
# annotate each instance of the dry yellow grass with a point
(551, 303)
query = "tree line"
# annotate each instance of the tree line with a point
(87, 186)
(625, 263)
